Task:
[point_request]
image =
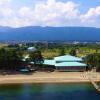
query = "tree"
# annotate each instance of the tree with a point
(73, 52)
(36, 57)
(93, 60)
(89, 59)
(62, 51)
(10, 59)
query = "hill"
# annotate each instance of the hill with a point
(36, 33)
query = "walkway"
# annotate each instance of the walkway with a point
(91, 76)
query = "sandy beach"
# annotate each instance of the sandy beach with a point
(50, 77)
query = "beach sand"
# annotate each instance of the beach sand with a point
(50, 77)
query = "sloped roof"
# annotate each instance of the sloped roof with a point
(49, 62)
(63, 64)
(67, 58)
(67, 64)
(65, 61)
(31, 49)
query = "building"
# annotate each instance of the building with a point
(32, 49)
(66, 63)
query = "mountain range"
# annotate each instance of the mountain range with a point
(37, 33)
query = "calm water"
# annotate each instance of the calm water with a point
(48, 92)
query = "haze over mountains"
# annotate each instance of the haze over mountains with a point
(37, 33)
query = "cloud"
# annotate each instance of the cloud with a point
(48, 13)
(25, 11)
(5, 9)
(92, 16)
(56, 13)
(4, 2)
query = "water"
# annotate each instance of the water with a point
(74, 91)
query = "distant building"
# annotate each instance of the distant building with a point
(32, 49)
(66, 63)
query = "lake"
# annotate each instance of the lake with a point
(68, 91)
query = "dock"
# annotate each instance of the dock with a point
(96, 86)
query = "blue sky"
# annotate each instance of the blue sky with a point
(19, 13)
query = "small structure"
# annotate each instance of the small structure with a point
(32, 49)
(66, 63)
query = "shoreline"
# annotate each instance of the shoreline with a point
(53, 77)
(45, 82)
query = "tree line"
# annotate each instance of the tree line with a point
(11, 58)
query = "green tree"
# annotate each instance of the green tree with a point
(36, 57)
(62, 52)
(93, 60)
(73, 52)
(10, 59)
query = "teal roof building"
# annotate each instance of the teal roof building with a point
(66, 63)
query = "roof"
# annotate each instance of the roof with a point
(64, 61)
(49, 62)
(24, 70)
(63, 64)
(67, 58)
(67, 64)
(32, 49)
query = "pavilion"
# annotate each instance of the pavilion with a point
(66, 63)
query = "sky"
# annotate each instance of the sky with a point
(55, 13)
